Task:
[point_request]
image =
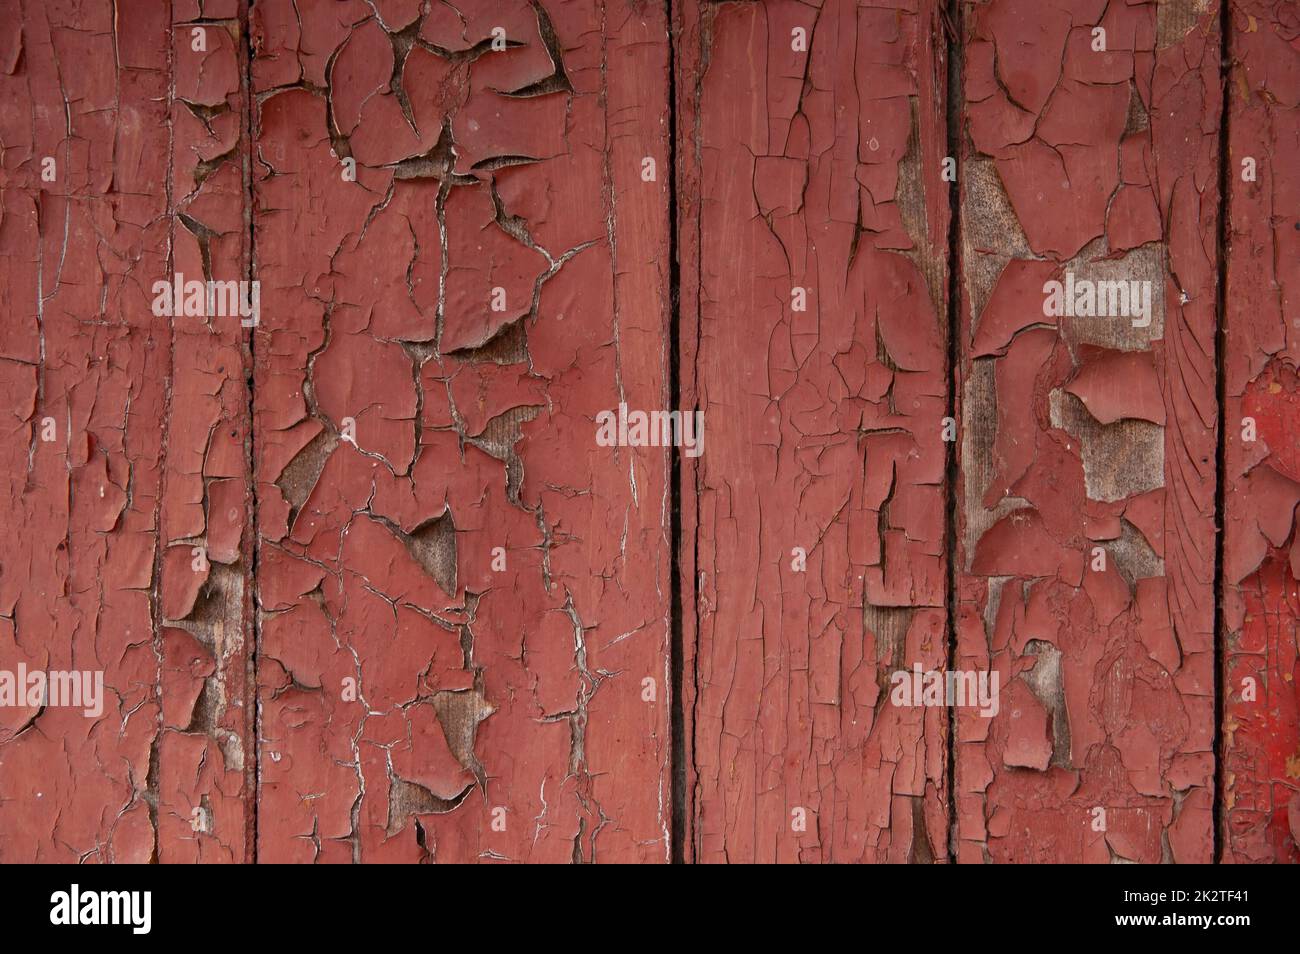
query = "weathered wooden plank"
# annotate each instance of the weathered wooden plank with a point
(464, 597)
(128, 435)
(813, 341)
(1087, 464)
(1261, 551)
(205, 767)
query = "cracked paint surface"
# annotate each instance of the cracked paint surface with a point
(817, 170)
(437, 528)
(1088, 435)
(147, 453)
(365, 588)
(1261, 563)
(204, 764)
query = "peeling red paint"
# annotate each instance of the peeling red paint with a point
(824, 428)
(204, 761)
(146, 414)
(1261, 559)
(364, 584)
(1086, 470)
(461, 593)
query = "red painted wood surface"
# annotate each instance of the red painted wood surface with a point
(1261, 561)
(128, 435)
(461, 604)
(1086, 483)
(365, 584)
(815, 346)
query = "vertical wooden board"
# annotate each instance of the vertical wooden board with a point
(1087, 462)
(85, 369)
(463, 596)
(813, 229)
(1261, 550)
(102, 475)
(205, 765)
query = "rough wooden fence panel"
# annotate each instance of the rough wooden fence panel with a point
(1088, 450)
(814, 343)
(1261, 414)
(464, 597)
(124, 159)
